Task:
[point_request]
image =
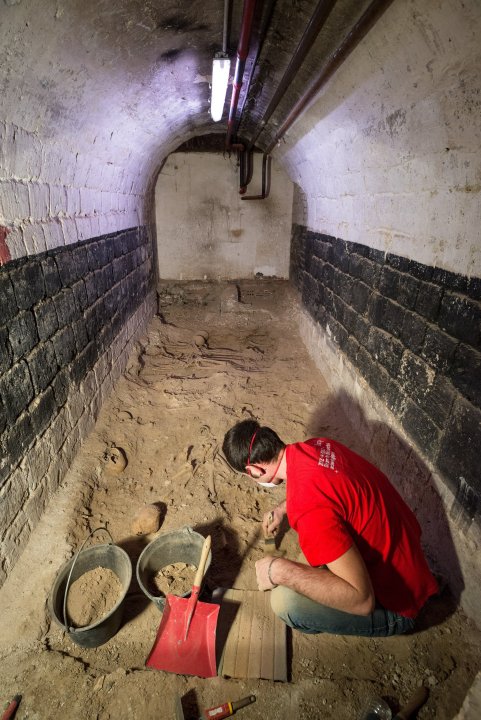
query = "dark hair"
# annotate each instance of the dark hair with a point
(265, 448)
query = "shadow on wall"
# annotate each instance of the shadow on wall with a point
(378, 443)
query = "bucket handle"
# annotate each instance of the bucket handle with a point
(71, 571)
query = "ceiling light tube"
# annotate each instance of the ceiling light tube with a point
(220, 79)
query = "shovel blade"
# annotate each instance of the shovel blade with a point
(194, 655)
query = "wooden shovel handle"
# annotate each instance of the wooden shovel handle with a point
(203, 559)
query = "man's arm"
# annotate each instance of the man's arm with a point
(344, 585)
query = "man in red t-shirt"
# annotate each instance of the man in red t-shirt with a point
(367, 574)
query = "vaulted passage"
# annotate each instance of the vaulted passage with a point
(343, 180)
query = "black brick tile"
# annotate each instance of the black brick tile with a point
(67, 269)
(385, 349)
(80, 294)
(459, 452)
(80, 333)
(28, 284)
(358, 249)
(340, 255)
(3, 417)
(50, 275)
(461, 318)
(437, 400)
(22, 334)
(66, 307)
(421, 429)
(61, 385)
(438, 348)
(91, 288)
(42, 363)
(413, 332)
(415, 376)
(473, 288)
(6, 354)
(428, 300)
(8, 303)
(45, 319)
(389, 280)
(360, 296)
(450, 280)
(18, 439)
(465, 373)
(377, 256)
(16, 390)
(84, 362)
(42, 411)
(64, 346)
(364, 269)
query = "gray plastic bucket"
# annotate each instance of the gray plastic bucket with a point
(183, 545)
(108, 556)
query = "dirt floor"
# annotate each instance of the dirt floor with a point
(168, 414)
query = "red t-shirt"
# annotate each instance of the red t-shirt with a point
(335, 497)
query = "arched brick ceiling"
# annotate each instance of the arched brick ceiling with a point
(124, 82)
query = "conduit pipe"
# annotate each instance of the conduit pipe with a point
(266, 21)
(314, 27)
(353, 38)
(266, 180)
(242, 51)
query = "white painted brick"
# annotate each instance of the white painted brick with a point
(85, 425)
(15, 539)
(26, 157)
(88, 387)
(59, 429)
(15, 243)
(5, 131)
(71, 446)
(73, 200)
(36, 504)
(82, 168)
(53, 234)
(14, 201)
(39, 200)
(75, 407)
(12, 497)
(58, 200)
(88, 201)
(104, 224)
(83, 228)
(39, 457)
(69, 229)
(33, 238)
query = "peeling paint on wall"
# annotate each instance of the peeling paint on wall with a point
(4, 250)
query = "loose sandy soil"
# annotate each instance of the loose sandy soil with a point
(169, 413)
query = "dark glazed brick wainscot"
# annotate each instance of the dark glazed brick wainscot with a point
(414, 333)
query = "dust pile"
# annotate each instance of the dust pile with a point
(214, 354)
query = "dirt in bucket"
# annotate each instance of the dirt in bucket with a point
(92, 596)
(176, 579)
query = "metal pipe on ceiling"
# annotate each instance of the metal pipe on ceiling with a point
(353, 38)
(242, 51)
(313, 28)
(266, 180)
(266, 21)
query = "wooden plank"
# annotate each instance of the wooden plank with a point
(243, 643)
(255, 654)
(280, 650)
(256, 642)
(230, 650)
(267, 657)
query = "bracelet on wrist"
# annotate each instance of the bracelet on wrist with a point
(274, 585)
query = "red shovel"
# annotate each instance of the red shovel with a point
(185, 642)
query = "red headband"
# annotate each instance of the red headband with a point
(250, 447)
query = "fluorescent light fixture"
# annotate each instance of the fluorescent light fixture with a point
(220, 79)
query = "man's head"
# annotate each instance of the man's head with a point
(247, 444)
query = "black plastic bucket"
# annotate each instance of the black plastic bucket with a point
(110, 557)
(183, 545)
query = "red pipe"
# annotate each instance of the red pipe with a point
(242, 52)
(353, 38)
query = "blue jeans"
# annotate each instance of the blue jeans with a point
(311, 617)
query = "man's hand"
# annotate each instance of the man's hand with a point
(272, 519)
(262, 570)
